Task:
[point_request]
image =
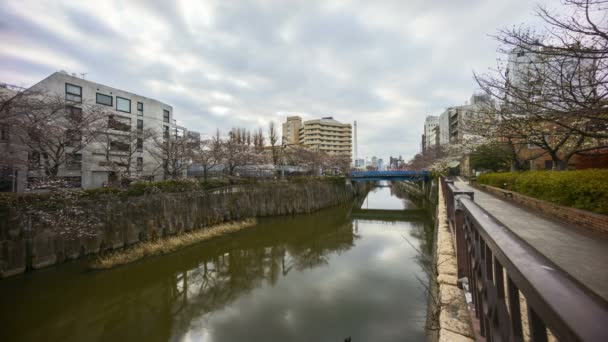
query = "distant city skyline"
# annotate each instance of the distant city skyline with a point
(224, 64)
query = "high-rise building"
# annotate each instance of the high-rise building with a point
(430, 131)
(328, 135)
(325, 134)
(457, 124)
(291, 130)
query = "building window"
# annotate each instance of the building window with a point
(72, 182)
(520, 54)
(140, 125)
(119, 146)
(140, 108)
(123, 105)
(140, 145)
(119, 123)
(103, 99)
(34, 159)
(73, 138)
(73, 92)
(74, 114)
(166, 132)
(140, 164)
(4, 132)
(73, 161)
(166, 116)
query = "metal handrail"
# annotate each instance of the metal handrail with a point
(554, 299)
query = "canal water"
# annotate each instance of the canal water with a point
(320, 277)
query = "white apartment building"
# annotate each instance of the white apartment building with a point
(129, 114)
(328, 135)
(455, 122)
(325, 134)
(431, 131)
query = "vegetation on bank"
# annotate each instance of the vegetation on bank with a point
(167, 245)
(582, 189)
(144, 188)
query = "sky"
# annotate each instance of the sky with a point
(222, 64)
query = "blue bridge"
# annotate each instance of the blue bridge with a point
(360, 176)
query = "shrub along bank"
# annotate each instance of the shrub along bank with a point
(581, 189)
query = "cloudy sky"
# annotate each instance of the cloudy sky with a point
(224, 63)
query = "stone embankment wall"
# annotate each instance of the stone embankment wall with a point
(588, 220)
(454, 320)
(27, 243)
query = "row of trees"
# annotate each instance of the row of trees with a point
(241, 148)
(550, 92)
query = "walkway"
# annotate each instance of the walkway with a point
(581, 254)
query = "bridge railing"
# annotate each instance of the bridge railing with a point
(389, 173)
(500, 267)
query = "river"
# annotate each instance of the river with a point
(320, 277)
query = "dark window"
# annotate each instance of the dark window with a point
(123, 105)
(104, 99)
(73, 92)
(119, 146)
(140, 145)
(34, 159)
(72, 182)
(166, 132)
(166, 116)
(119, 123)
(548, 164)
(73, 137)
(73, 161)
(140, 163)
(74, 114)
(140, 125)
(4, 132)
(140, 108)
(520, 54)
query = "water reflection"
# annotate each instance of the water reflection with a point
(305, 278)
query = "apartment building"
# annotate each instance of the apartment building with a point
(13, 154)
(328, 135)
(457, 124)
(325, 134)
(431, 132)
(291, 130)
(129, 115)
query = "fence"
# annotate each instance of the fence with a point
(499, 265)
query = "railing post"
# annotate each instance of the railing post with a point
(460, 245)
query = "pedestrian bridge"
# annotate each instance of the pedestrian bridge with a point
(399, 175)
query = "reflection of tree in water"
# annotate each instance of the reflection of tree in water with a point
(240, 263)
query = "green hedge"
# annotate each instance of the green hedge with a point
(582, 189)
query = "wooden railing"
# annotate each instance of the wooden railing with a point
(500, 266)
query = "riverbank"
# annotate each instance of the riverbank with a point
(38, 231)
(453, 320)
(167, 245)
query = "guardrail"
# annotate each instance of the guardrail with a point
(499, 265)
(389, 175)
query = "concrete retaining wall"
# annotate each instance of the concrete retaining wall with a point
(27, 243)
(454, 318)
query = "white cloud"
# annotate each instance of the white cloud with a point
(221, 64)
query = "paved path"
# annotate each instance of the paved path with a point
(582, 254)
